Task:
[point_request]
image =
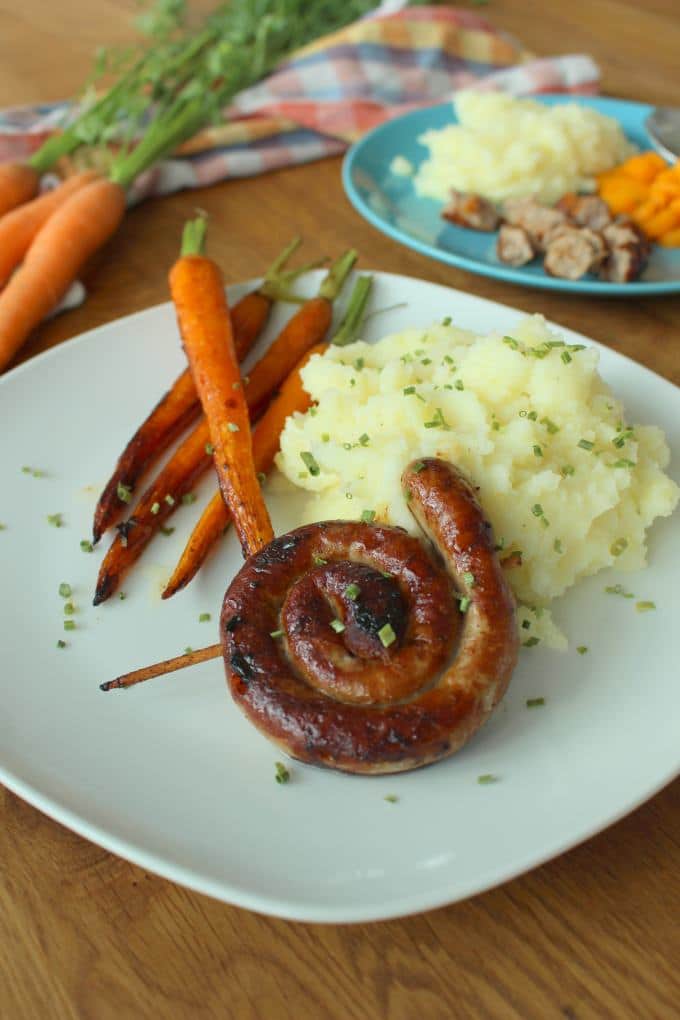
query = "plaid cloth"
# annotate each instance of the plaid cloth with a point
(333, 91)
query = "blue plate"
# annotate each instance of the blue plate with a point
(390, 203)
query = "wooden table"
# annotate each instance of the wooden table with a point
(592, 934)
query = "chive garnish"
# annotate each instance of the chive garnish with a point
(122, 596)
(526, 624)
(319, 561)
(338, 626)
(352, 591)
(464, 604)
(535, 702)
(408, 390)
(368, 516)
(310, 463)
(188, 498)
(69, 609)
(232, 426)
(459, 384)
(56, 520)
(531, 642)
(166, 531)
(282, 773)
(644, 607)
(61, 644)
(124, 492)
(538, 452)
(86, 546)
(566, 357)
(446, 321)
(537, 510)
(469, 578)
(325, 437)
(204, 617)
(65, 590)
(438, 422)
(387, 635)
(69, 625)
(566, 469)
(619, 546)
(170, 500)
(391, 798)
(622, 462)
(486, 779)
(585, 444)
(275, 633)
(155, 507)
(582, 649)
(618, 589)
(364, 439)
(209, 449)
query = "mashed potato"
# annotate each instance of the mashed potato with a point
(504, 147)
(562, 477)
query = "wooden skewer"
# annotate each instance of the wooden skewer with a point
(137, 676)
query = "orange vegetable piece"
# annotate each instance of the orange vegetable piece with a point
(671, 239)
(644, 167)
(662, 223)
(622, 194)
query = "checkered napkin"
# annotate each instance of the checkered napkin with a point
(333, 91)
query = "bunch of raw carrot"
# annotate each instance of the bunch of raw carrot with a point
(272, 391)
(647, 190)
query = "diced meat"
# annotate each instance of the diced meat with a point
(595, 240)
(471, 211)
(569, 256)
(585, 210)
(622, 231)
(624, 262)
(538, 220)
(514, 245)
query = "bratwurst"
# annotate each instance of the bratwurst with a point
(355, 647)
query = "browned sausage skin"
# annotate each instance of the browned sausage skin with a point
(347, 700)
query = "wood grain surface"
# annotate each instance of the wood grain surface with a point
(591, 935)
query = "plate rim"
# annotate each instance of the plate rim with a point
(593, 288)
(281, 907)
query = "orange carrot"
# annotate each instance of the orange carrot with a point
(292, 397)
(205, 325)
(19, 227)
(76, 230)
(643, 167)
(18, 183)
(266, 438)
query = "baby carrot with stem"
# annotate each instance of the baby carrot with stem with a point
(180, 406)
(205, 325)
(292, 397)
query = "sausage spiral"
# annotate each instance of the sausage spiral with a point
(428, 646)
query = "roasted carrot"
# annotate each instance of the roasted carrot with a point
(19, 227)
(292, 397)
(185, 466)
(205, 325)
(18, 184)
(76, 230)
(180, 406)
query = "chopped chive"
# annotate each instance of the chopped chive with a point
(338, 626)
(310, 463)
(449, 360)
(124, 492)
(531, 642)
(566, 357)
(469, 578)
(644, 607)
(276, 633)
(325, 437)
(486, 779)
(368, 516)
(69, 609)
(170, 500)
(391, 798)
(69, 625)
(35, 472)
(582, 649)
(618, 589)
(319, 561)
(585, 444)
(364, 439)
(526, 624)
(188, 650)
(459, 384)
(511, 342)
(464, 604)
(408, 390)
(537, 510)
(550, 426)
(352, 381)
(566, 469)
(538, 452)
(86, 546)
(622, 462)
(386, 574)
(232, 426)
(387, 635)
(236, 385)
(204, 617)
(166, 531)
(188, 498)
(209, 449)
(282, 773)
(426, 361)
(122, 596)
(359, 364)
(557, 546)
(352, 591)
(61, 644)
(619, 546)
(438, 422)
(155, 507)
(535, 702)
(261, 477)
(348, 495)
(446, 321)
(65, 590)
(56, 520)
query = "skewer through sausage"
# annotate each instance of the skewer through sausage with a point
(355, 647)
